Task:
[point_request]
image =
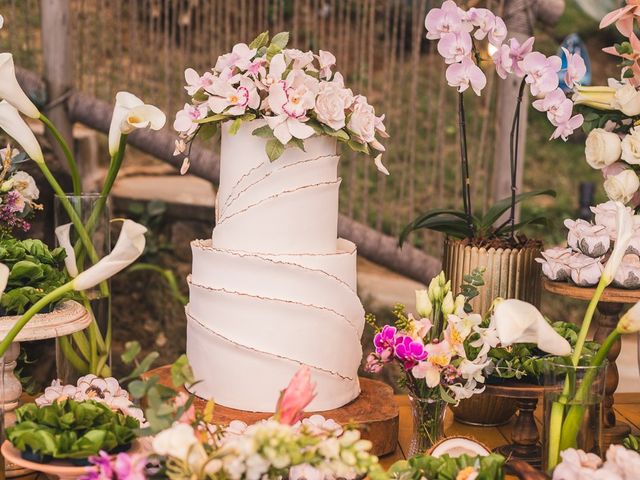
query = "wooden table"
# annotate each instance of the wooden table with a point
(627, 408)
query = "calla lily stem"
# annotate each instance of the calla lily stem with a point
(73, 166)
(586, 322)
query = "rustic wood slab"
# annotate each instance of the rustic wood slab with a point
(375, 412)
(610, 294)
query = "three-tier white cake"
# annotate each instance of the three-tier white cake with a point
(274, 289)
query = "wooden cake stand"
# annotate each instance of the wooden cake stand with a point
(525, 438)
(609, 308)
(374, 412)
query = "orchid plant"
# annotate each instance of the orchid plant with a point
(611, 113)
(296, 94)
(459, 33)
(87, 352)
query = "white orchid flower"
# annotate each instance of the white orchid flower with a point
(630, 321)
(129, 114)
(127, 249)
(64, 240)
(520, 322)
(14, 126)
(4, 277)
(10, 89)
(624, 233)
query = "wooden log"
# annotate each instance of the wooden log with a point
(372, 244)
(58, 70)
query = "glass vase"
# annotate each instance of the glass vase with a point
(88, 351)
(573, 413)
(428, 423)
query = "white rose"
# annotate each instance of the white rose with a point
(331, 103)
(602, 148)
(623, 186)
(26, 185)
(627, 100)
(363, 120)
(175, 441)
(631, 147)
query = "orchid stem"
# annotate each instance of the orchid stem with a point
(514, 147)
(73, 166)
(466, 181)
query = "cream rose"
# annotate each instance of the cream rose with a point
(623, 186)
(627, 100)
(631, 147)
(602, 148)
(363, 120)
(331, 103)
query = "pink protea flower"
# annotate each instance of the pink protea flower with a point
(295, 398)
(623, 17)
(447, 19)
(189, 415)
(507, 57)
(576, 68)
(455, 47)
(466, 74)
(541, 72)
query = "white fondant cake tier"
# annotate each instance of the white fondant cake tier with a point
(274, 289)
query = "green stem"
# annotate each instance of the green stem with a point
(73, 166)
(50, 297)
(586, 322)
(167, 274)
(555, 430)
(73, 358)
(81, 342)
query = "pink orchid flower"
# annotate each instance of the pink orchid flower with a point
(507, 57)
(576, 68)
(295, 398)
(185, 118)
(447, 19)
(541, 72)
(623, 17)
(482, 18)
(455, 46)
(498, 33)
(466, 74)
(196, 82)
(233, 100)
(557, 106)
(240, 57)
(566, 128)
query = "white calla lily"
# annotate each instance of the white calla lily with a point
(520, 322)
(129, 114)
(624, 232)
(127, 249)
(630, 321)
(10, 89)
(4, 277)
(14, 126)
(63, 235)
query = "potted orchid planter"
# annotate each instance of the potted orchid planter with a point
(493, 240)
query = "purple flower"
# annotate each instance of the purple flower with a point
(385, 339)
(104, 471)
(130, 467)
(375, 361)
(409, 351)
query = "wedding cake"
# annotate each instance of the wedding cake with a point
(274, 288)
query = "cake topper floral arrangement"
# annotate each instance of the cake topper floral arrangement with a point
(459, 34)
(296, 93)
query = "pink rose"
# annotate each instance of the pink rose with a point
(362, 122)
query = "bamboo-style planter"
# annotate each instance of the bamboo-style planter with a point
(509, 272)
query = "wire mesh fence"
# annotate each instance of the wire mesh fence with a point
(143, 46)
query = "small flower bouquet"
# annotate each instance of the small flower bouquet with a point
(18, 192)
(590, 244)
(296, 93)
(620, 464)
